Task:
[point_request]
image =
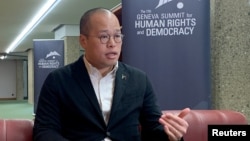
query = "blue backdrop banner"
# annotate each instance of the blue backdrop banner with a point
(170, 41)
(48, 56)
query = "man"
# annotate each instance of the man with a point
(98, 98)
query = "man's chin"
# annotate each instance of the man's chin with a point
(112, 63)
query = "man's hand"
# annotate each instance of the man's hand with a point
(174, 125)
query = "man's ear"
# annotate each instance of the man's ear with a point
(82, 40)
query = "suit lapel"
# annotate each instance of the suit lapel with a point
(80, 74)
(120, 86)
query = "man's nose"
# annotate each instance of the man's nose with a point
(111, 40)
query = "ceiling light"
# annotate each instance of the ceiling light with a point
(3, 56)
(49, 5)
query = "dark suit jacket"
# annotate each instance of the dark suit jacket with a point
(68, 108)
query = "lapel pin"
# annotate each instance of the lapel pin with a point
(124, 77)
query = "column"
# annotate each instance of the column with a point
(70, 35)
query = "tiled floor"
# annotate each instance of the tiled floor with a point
(16, 109)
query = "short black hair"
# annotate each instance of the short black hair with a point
(84, 22)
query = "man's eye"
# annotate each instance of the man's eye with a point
(118, 36)
(104, 36)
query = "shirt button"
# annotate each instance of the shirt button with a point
(108, 134)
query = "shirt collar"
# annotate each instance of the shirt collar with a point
(93, 70)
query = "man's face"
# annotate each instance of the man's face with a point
(102, 54)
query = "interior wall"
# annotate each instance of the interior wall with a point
(7, 79)
(230, 55)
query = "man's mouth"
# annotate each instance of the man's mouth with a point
(111, 55)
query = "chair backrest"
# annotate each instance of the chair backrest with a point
(21, 129)
(16, 129)
(2, 130)
(200, 119)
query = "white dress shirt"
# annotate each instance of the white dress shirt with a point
(104, 88)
